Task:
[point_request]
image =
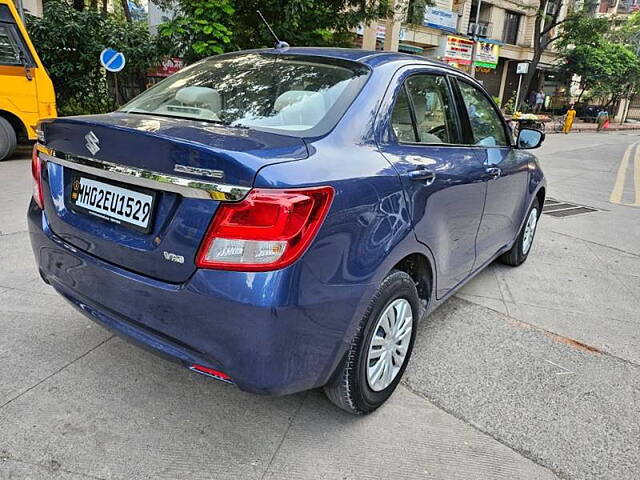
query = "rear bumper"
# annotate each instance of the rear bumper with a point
(271, 332)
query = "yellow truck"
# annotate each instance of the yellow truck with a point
(26, 91)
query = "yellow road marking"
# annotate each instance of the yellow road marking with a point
(637, 178)
(618, 189)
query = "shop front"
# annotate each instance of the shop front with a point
(456, 51)
(489, 66)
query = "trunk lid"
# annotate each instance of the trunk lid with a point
(168, 146)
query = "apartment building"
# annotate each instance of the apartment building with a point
(615, 7)
(505, 30)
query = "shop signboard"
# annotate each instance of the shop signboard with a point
(487, 54)
(441, 19)
(381, 30)
(167, 67)
(456, 50)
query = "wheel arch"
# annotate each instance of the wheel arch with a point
(420, 269)
(540, 195)
(17, 124)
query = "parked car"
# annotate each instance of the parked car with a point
(26, 92)
(282, 219)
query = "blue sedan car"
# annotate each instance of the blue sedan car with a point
(282, 219)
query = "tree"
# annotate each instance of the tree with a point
(69, 43)
(206, 27)
(545, 32)
(304, 22)
(126, 11)
(415, 11)
(592, 50)
(201, 29)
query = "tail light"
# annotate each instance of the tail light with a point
(269, 229)
(36, 173)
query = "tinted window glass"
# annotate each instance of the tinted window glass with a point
(486, 125)
(261, 91)
(434, 116)
(9, 51)
(401, 121)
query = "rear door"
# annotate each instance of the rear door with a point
(18, 92)
(441, 177)
(506, 171)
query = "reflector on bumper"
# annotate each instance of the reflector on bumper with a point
(210, 372)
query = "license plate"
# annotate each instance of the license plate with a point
(113, 203)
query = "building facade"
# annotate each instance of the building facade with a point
(505, 29)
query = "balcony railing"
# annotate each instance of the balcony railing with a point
(482, 29)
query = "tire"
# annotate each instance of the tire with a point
(8, 139)
(350, 388)
(522, 247)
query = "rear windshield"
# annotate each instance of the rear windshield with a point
(264, 91)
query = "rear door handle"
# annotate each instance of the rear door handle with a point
(422, 175)
(493, 172)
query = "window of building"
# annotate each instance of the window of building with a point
(511, 27)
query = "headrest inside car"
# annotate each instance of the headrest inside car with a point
(200, 96)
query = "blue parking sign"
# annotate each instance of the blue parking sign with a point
(112, 60)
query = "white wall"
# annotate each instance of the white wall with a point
(33, 7)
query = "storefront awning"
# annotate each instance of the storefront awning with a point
(407, 48)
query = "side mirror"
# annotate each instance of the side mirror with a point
(529, 138)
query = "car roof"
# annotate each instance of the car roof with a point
(372, 58)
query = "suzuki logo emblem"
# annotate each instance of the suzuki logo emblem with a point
(92, 143)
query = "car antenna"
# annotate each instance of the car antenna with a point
(280, 45)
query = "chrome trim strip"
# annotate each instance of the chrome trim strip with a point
(147, 178)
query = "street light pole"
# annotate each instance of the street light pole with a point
(474, 47)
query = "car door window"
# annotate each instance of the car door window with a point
(429, 96)
(401, 119)
(486, 126)
(423, 112)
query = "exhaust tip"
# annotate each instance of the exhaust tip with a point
(210, 372)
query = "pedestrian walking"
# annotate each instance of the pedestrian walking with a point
(532, 99)
(603, 120)
(568, 119)
(539, 102)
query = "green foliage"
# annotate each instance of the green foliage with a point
(69, 43)
(415, 11)
(510, 105)
(606, 67)
(580, 29)
(205, 27)
(303, 22)
(202, 29)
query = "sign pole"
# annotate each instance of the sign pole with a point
(113, 61)
(521, 70)
(518, 93)
(474, 47)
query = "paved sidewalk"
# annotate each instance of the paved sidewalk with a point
(582, 127)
